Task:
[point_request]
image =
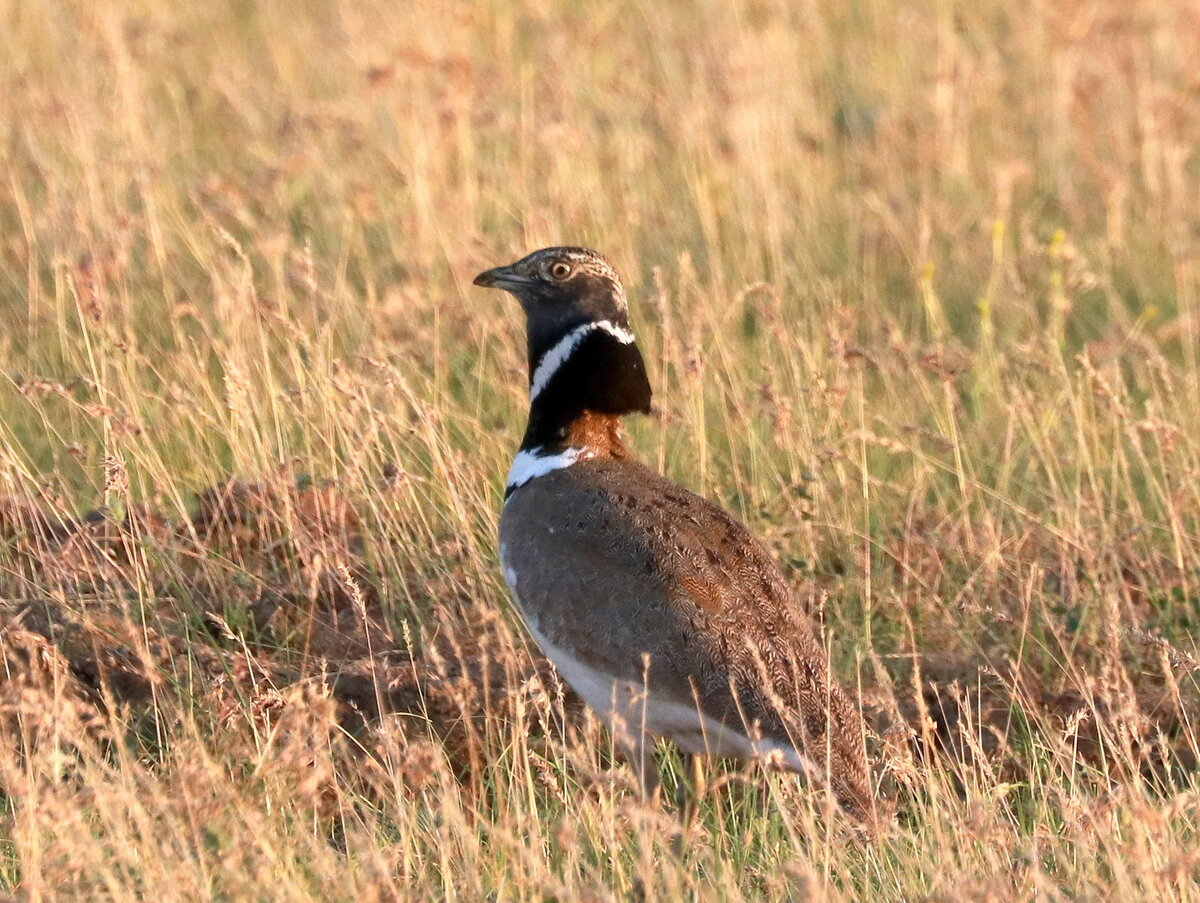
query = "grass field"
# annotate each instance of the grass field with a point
(919, 289)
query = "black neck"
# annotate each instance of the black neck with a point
(602, 375)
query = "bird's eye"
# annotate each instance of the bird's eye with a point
(560, 271)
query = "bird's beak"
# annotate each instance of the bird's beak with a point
(502, 277)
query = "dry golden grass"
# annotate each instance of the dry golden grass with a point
(919, 285)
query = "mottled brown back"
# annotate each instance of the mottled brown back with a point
(629, 564)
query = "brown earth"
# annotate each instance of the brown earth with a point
(291, 564)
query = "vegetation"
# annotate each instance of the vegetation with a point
(919, 287)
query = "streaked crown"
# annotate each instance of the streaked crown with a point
(560, 288)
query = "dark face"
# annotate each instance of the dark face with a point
(582, 356)
(559, 289)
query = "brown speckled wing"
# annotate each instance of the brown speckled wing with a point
(617, 563)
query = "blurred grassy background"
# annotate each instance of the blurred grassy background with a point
(918, 287)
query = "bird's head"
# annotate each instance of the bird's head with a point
(582, 354)
(560, 289)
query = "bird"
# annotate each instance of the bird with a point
(655, 605)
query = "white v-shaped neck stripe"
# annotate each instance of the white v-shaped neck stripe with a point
(554, 358)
